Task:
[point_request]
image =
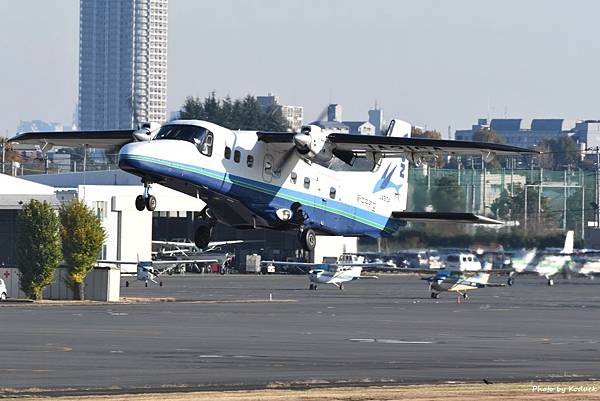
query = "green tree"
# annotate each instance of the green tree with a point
(513, 208)
(82, 238)
(447, 195)
(245, 114)
(430, 134)
(487, 135)
(39, 249)
(491, 136)
(559, 152)
(502, 205)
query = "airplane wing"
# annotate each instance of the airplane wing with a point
(183, 261)
(442, 217)
(192, 245)
(402, 146)
(360, 145)
(94, 139)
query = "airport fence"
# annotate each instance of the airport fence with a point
(561, 199)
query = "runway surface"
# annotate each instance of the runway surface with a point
(376, 331)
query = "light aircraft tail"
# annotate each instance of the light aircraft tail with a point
(568, 247)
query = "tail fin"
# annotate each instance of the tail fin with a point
(392, 175)
(568, 248)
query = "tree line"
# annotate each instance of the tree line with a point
(46, 238)
(243, 114)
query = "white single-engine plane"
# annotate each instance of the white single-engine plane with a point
(313, 181)
(348, 268)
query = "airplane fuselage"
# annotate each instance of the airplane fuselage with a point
(240, 181)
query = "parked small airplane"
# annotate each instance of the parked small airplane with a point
(545, 264)
(459, 282)
(348, 268)
(149, 271)
(312, 181)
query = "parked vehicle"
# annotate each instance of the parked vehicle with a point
(3, 291)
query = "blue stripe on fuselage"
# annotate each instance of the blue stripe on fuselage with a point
(337, 217)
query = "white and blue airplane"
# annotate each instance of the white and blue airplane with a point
(312, 182)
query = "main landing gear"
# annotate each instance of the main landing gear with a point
(435, 295)
(145, 201)
(204, 232)
(550, 282)
(308, 239)
(312, 287)
(203, 235)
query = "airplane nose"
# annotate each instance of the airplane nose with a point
(156, 157)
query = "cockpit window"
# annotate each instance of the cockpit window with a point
(199, 136)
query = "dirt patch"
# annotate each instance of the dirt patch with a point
(549, 391)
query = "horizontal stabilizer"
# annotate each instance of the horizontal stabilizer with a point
(442, 217)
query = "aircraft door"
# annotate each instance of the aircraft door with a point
(268, 166)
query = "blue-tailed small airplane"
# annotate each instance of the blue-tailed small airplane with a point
(312, 182)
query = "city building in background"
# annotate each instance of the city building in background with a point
(334, 112)
(376, 119)
(520, 131)
(40, 125)
(360, 127)
(293, 114)
(122, 63)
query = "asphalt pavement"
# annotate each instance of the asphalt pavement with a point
(223, 332)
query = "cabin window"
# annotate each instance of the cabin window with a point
(293, 177)
(199, 136)
(227, 152)
(332, 193)
(250, 161)
(306, 182)
(206, 145)
(236, 156)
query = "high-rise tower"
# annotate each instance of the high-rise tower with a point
(122, 63)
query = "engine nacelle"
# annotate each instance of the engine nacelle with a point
(146, 131)
(312, 144)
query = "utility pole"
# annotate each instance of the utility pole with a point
(512, 168)
(525, 217)
(3, 154)
(597, 192)
(540, 195)
(565, 202)
(483, 185)
(583, 210)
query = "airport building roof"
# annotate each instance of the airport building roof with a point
(16, 191)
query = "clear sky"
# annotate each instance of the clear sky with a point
(433, 63)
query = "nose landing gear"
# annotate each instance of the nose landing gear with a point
(145, 201)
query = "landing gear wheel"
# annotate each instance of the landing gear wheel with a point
(160, 284)
(511, 281)
(146, 284)
(308, 238)
(311, 287)
(465, 295)
(140, 203)
(151, 203)
(3, 296)
(127, 284)
(550, 282)
(341, 287)
(202, 236)
(435, 295)
(315, 287)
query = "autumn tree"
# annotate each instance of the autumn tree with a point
(82, 238)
